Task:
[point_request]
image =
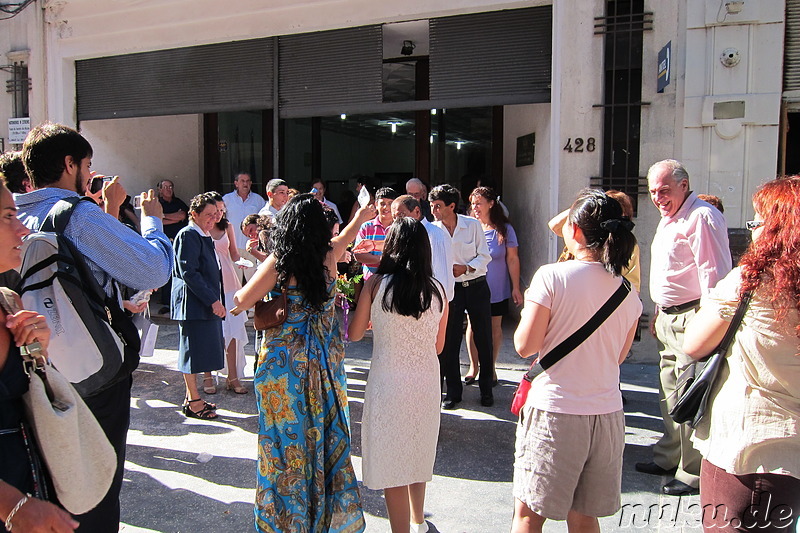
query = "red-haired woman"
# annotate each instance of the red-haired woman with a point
(750, 478)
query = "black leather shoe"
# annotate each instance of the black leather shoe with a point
(679, 488)
(469, 380)
(487, 400)
(450, 404)
(654, 469)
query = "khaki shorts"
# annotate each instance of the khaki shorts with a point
(569, 462)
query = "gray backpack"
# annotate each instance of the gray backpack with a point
(93, 343)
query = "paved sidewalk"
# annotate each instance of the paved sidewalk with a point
(190, 475)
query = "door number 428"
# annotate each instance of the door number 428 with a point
(579, 144)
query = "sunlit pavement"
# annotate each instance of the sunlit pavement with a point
(189, 475)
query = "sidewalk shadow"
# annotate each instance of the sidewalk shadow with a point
(178, 510)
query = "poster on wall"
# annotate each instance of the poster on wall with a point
(525, 148)
(18, 129)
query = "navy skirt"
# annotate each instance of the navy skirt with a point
(202, 347)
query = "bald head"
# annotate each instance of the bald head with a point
(406, 206)
(416, 188)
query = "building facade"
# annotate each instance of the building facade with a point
(538, 98)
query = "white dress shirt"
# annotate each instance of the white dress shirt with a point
(441, 256)
(469, 247)
(238, 209)
(269, 211)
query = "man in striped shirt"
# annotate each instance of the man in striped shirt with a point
(375, 231)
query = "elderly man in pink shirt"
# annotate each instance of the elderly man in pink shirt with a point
(689, 254)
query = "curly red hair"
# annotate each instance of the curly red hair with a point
(773, 260)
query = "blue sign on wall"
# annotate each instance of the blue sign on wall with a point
(664, 57)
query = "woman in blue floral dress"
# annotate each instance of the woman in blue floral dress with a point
(306, 481)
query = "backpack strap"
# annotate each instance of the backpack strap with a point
(58, 217)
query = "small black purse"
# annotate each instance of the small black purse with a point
(691, 406)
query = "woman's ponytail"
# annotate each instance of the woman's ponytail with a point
(605, 228)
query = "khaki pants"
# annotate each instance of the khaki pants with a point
(675, 448)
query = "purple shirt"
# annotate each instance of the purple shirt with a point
(689, 253)
(497, 271)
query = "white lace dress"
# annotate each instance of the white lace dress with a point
(400, 424)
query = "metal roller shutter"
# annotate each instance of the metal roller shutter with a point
(200, 79)
(791, 70)
(333, 69)
(500, 57)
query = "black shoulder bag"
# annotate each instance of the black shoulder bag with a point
(691, 406)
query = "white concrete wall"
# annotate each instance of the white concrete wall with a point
(143, 151)
(731, 157)
(526, 190)
(18, 34)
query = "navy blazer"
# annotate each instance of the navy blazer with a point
(196, 277)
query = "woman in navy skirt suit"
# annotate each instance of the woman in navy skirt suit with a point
(197, 303)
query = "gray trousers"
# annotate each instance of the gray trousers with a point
(675, 448)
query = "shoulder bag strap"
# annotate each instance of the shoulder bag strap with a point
(735, 322)
(583, 333)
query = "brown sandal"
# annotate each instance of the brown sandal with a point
(235, 386)
(206, 413)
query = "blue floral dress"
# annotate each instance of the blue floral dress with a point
(306, 481)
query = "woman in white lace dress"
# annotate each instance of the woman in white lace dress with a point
(400, 424)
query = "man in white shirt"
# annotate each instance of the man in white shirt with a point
(441, 242)
(240, 203)
(319, 185)
(277, 196)
(471, 294)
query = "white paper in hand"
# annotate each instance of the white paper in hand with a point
(363, 196)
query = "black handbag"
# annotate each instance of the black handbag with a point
(691, 406)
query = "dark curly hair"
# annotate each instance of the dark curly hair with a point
(773, 259)
(407, 258)
(606, 230)
(301, 239)
(199, 203)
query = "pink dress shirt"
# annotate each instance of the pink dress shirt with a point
(689, 254)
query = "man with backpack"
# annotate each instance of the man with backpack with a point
(57, 160)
